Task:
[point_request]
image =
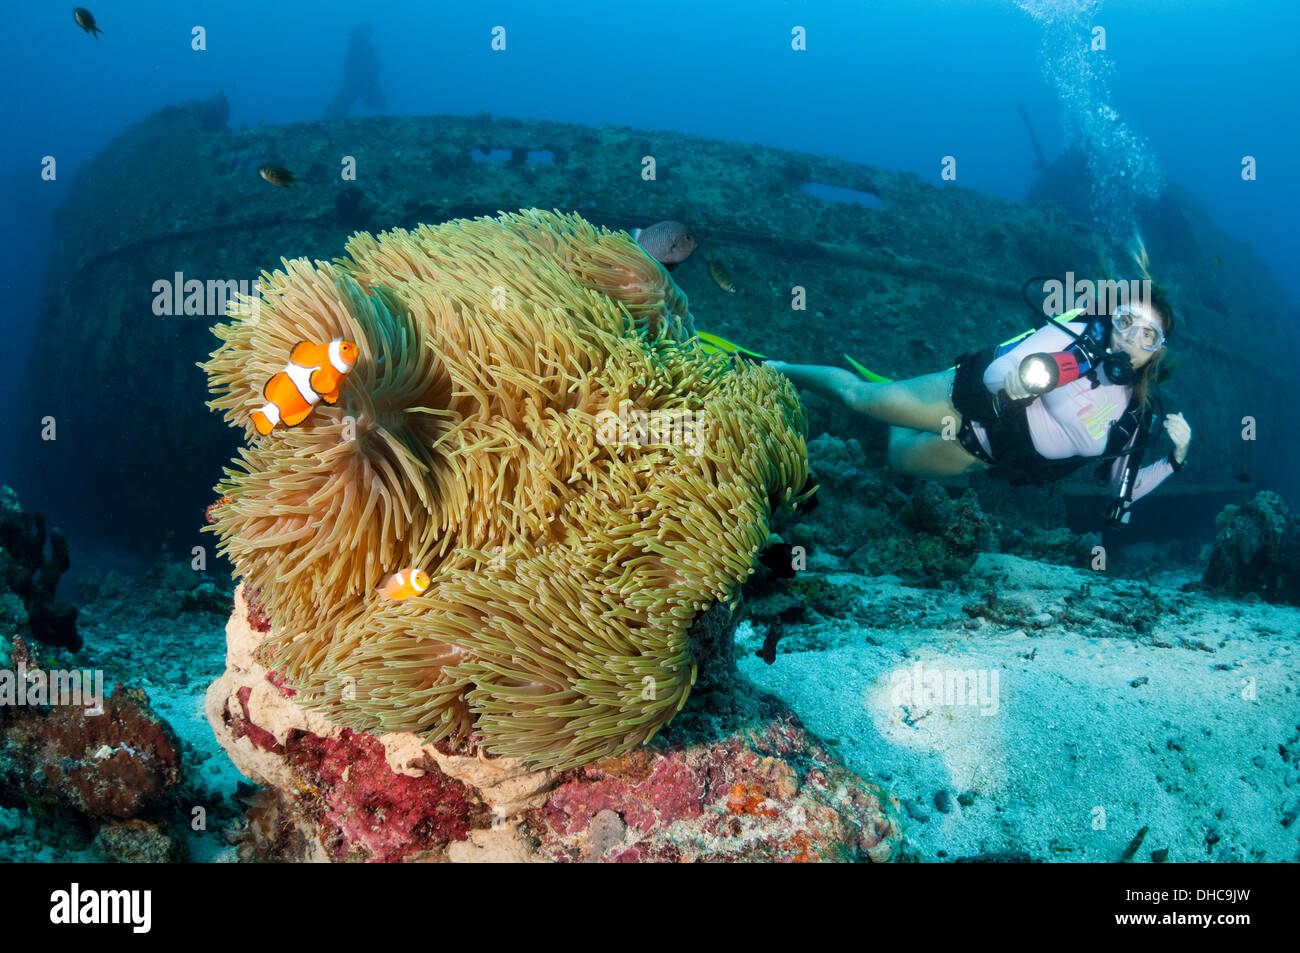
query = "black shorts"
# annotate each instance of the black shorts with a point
(1005, 424)
(975, 404)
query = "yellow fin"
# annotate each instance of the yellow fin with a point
(869, 375)
(712, 344)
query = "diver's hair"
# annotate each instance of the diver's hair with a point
(1157, 370)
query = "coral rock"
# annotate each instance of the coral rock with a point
(1257, 549)
(749, 785)
(27, 573)
(137, 842)
(111, 765)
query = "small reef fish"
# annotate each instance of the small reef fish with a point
(669, 243)
(86, 20)
(778, 559)
(210, 512)
(279, 175)
(314, 374)
(721, 275)
(404, 584)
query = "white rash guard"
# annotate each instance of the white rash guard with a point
(1072, 420)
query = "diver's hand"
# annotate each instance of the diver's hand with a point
(1014, 386)
(1180, 433)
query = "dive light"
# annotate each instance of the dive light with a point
(1041, 372)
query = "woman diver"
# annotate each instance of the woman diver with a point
(1031, 412)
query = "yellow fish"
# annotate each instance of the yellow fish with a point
(720, 274)
(404, 584)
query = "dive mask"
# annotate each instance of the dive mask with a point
(1137, 330)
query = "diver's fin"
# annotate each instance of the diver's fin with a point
(712, 344)
(869, 375)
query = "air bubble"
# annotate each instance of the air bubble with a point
(1122, 166)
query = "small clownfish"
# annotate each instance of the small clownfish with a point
(404, 584)
(210, 512)
(313, 374)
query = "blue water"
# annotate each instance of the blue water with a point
(895, 83)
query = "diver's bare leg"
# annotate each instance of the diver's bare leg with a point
(929, 455)
(920, 403)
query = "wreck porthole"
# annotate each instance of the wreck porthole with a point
(496, 155)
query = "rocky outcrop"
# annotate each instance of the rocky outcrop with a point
(1257, 550)
(113, 763)
(29, 578)
(735, 777)
(875, 522)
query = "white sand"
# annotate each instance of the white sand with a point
(1073, 760)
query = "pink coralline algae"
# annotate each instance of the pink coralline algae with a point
(368, 811)
(258, 620)
(767, 793)
(244, 727)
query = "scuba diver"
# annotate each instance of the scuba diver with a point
(1034, 409)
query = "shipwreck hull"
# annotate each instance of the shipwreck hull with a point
(904, 280)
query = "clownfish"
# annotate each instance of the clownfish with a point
(313, 374)
(404, 584)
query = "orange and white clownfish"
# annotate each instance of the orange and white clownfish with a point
(313, 374)
(404, 584)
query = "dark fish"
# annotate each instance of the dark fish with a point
(1243, 477)
(768, 652)
(779, 560)
(669, 243)
(86, 20)
(722, 275)
(279, 175)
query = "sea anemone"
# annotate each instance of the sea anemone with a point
(531, 422)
